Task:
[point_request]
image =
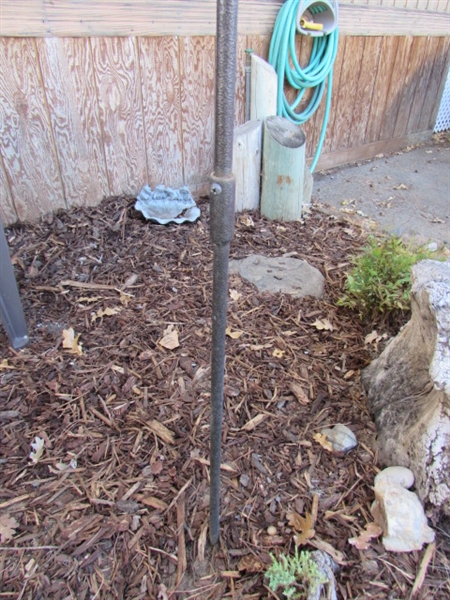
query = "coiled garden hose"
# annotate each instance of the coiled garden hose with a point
(317, 74)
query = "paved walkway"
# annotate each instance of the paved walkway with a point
(406, 194)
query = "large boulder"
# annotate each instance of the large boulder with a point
(408, 387)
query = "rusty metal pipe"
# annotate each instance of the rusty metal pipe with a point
(221, 233)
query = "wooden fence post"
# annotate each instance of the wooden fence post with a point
(247, 165)
(264, 86)
(283, 170)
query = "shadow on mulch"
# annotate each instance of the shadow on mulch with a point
(117, 505)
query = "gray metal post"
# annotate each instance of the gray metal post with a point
(221, 232)
(11, 312)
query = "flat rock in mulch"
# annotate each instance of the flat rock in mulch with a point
(280, 274)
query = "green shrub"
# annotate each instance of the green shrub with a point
(380, 281)
(297, 575)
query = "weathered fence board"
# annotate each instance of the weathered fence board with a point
(161, 100)
(197, 68)
(239, 98)
(68, 73)
(7, 210)
(120, 103)
(26, 135)
(408, 90)
(380, 96)
(438, 72)
(345, 96)
(67, 18)
(395, 91)
(364, 90)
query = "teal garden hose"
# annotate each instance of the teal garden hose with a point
(318, 74)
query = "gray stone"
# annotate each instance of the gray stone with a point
(280, 274)
(408, 387)
(341, 438)
(395, 475)
(399, 513)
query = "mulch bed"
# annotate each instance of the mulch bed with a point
(117, 506)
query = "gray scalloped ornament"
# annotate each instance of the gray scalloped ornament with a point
(167, 205)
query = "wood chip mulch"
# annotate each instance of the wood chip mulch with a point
(112, 499)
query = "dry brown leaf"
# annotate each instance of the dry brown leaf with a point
(303, 527)
(235, 295)
(153, 502)
(323, 324)
(125, 298)
(260, 346)
(250, 563)
(161, 431)
(250, 425)
(105, 312)
(169, 339)
(8, 526)
(70, 342)
(299, 393)
(89, 299)
(323, 441)
(247, 221)
(372, 337)
(361, 542)
(278, 353)
(234, 335)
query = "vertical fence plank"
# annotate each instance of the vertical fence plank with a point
(259, 44)
(241, 57)
(68, 74)
(162, 109)
(312, 127)
(119, 96)
(197, 66)
(25, 133)
(364, 89)
(439, 72)
(423, 76)
(7, 211)
(433, 4)
(381, 89)
(409, 87)
(350, 77)
(396, 91)
(334, 108)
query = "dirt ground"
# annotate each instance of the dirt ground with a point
(111, 502)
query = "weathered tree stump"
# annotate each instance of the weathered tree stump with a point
(408, 387)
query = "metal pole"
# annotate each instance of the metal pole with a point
(221, 232)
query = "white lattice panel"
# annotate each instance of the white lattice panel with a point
(443, 118)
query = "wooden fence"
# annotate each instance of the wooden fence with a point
(100, 100)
